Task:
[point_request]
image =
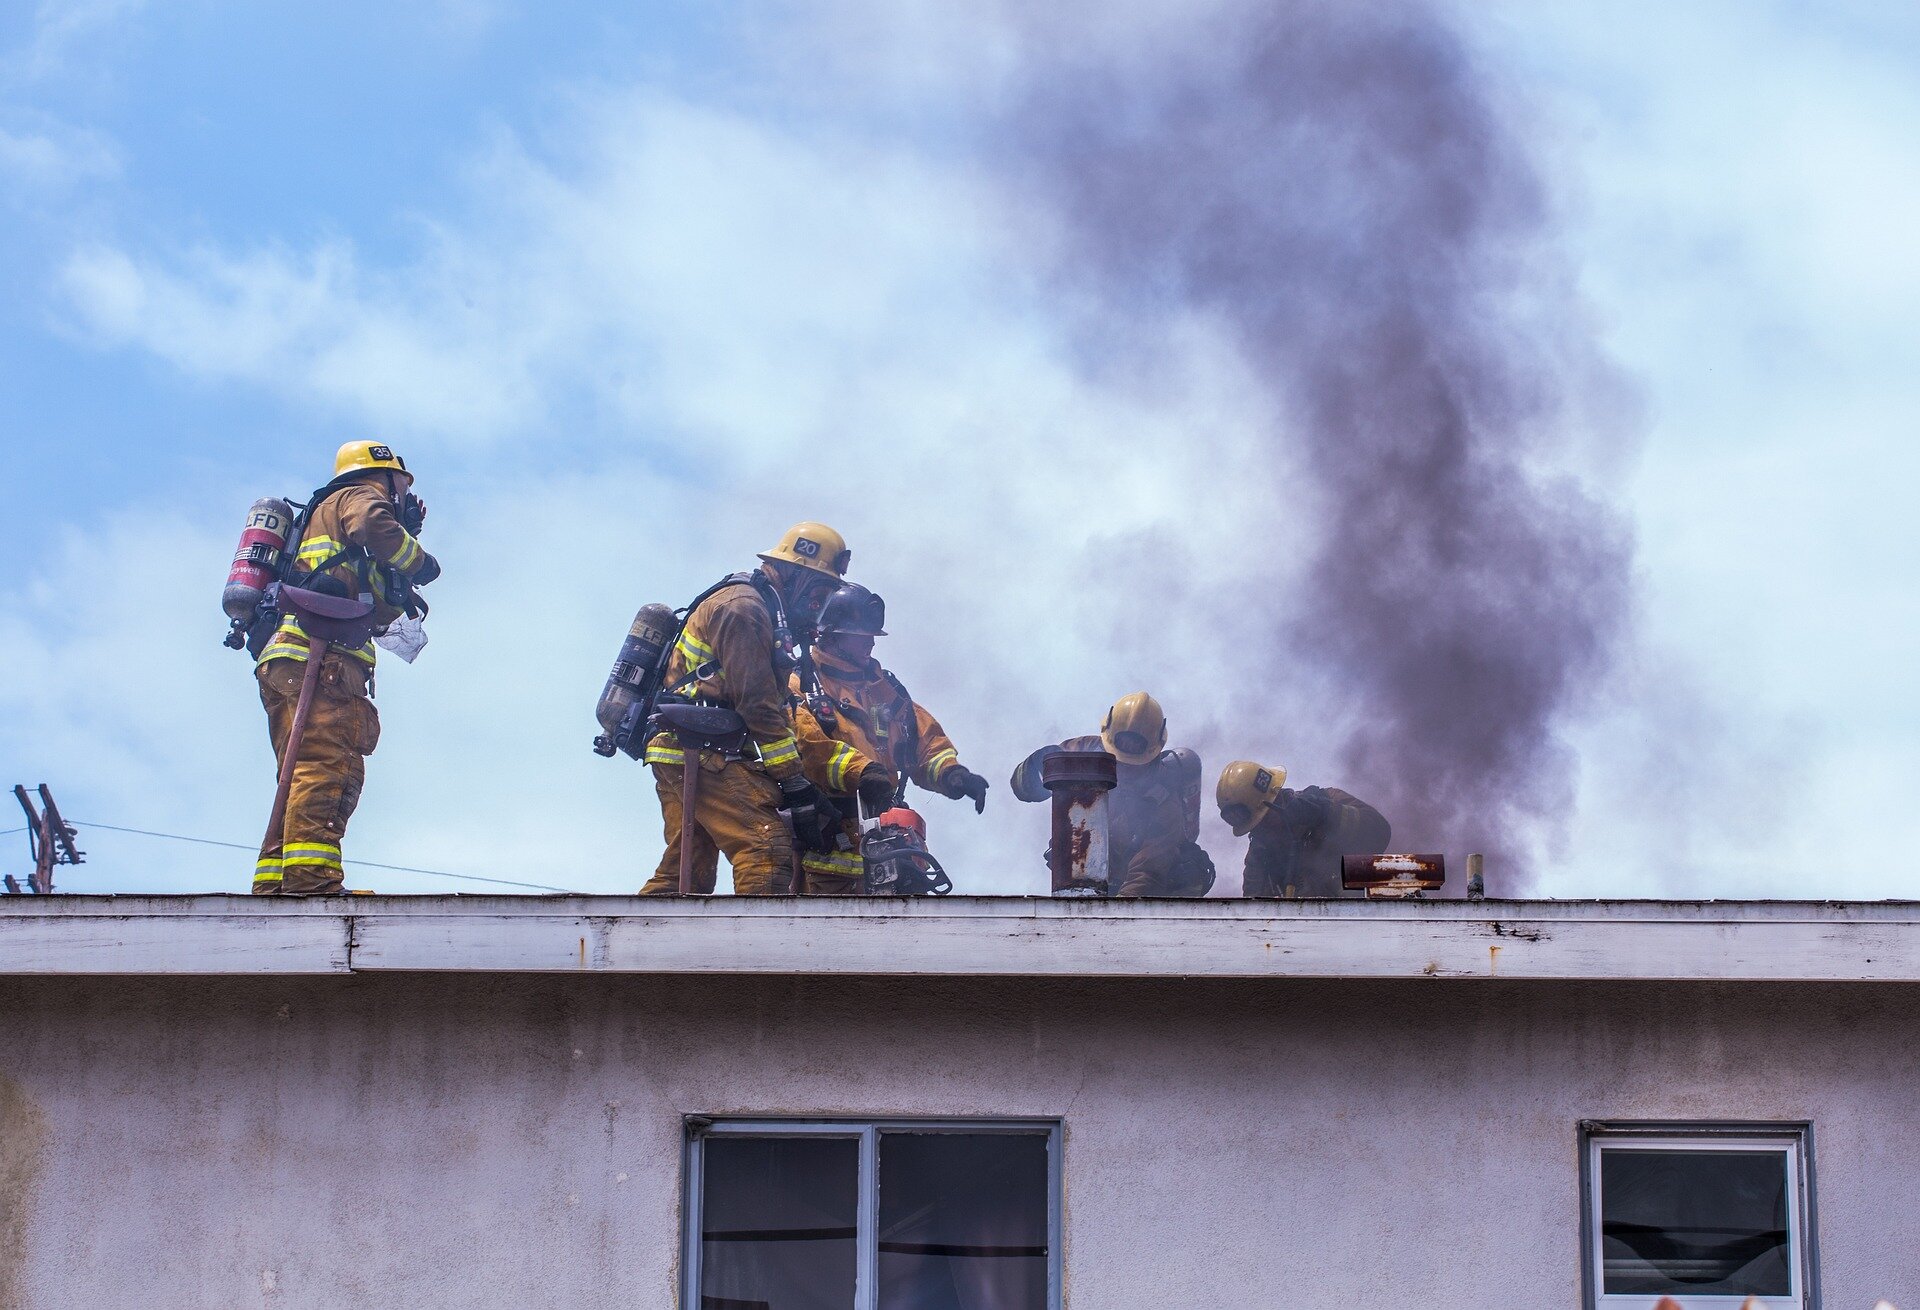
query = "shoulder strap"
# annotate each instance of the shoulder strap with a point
(911, 737)
(785, 638)
(682, 616)
(303, 520)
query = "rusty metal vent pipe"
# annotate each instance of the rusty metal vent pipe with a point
(1079, 781)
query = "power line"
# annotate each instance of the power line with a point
(364, 864)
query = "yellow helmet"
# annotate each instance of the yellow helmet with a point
(1136, 729)
(813, 546)
(1246, 792)
(357, 455)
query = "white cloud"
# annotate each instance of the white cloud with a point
(59, 28)
(764, 326)
(637, 355)
(40, 155)
(1741, 199)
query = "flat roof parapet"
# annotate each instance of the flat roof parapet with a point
(963, 936)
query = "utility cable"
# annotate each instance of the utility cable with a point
(364, 864)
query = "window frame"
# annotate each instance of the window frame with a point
(697, 1129)
(1794, 1137)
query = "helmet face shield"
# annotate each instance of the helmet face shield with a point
(1246, 791)
(1136, 729)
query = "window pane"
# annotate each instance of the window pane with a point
(963, 1221)
(1694, 1221)
(778, 1223)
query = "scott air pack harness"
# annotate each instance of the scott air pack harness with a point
(906, 754)
(395, 591)
(637, 725)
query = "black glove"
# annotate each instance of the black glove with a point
(876, 792)
(962, 782)
(429, 570)
(413, 513)
(806, 809)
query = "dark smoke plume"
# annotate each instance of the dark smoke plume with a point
(1331, 184)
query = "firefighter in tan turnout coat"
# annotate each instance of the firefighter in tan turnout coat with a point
(354, 544)
(1154, 810)
(729, 654)
(1295, 838)
(879, 737)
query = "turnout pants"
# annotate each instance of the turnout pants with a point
(737, 814)
(342, 730)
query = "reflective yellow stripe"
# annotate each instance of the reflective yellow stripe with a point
(282, 649)
(310, 853)
(266, 870)
(837, 765)
(314, 549)
(940, 760)
(842, 863)
(665, 750)
(695, 655)
(780, 752)
(407, 555)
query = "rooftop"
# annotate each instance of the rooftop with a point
(961, 936)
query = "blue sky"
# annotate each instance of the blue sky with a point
(636, 286)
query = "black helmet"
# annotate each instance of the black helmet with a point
(853, 609)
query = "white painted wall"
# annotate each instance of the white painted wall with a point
(512, 1141)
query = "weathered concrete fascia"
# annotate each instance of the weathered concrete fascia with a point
(965, 936)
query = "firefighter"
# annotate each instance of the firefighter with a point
(880, 737)
(1153, 811)
(736, 651)
(358, 540)
(1296, 837)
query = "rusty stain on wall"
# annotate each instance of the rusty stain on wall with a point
(24, 1134)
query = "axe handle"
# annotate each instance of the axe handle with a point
(689, 797)
(302, 709)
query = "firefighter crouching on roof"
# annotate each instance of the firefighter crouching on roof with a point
(877, 737)
(734, 651)
(1296, 838)
(356, 543)
(1153, 811)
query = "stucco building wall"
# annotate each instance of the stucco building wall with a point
(513, 1141)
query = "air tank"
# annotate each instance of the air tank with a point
(257, 561)
(635, 671)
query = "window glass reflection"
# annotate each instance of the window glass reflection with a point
(963, 1221)
(778, 1223)
(1705, 1222)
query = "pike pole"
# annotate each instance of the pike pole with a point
(317, 648)
(689, 796)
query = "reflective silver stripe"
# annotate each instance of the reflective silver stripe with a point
(782, 751)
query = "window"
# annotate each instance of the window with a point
(1709, 1215)
(828, 1215)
